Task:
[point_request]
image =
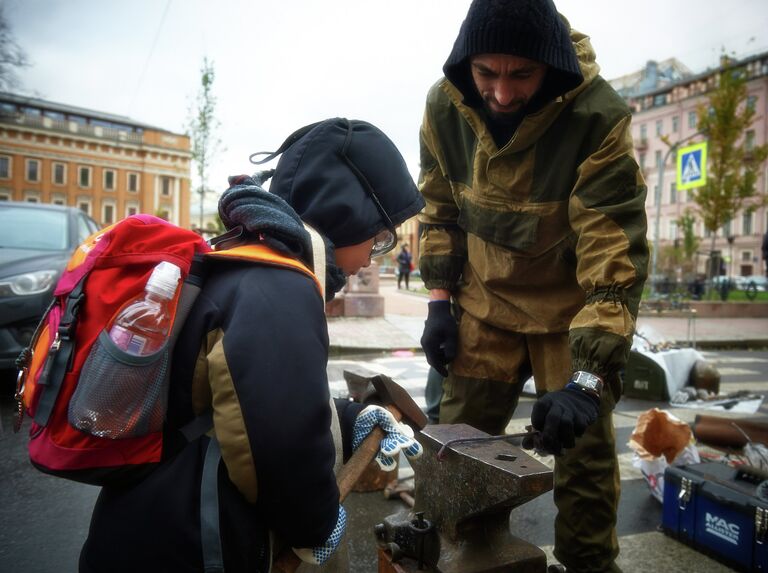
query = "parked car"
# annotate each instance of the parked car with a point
(723, 280)
(36, 242)
(760, 282)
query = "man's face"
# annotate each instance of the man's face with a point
(506, 83)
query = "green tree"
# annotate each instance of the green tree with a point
(690, 241)
(733, 160)
(12, 56)
(202, 127)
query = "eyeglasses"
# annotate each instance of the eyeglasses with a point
(383, 242)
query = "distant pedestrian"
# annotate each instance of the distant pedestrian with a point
(404, 266)
(765, 252)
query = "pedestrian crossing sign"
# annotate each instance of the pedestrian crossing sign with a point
(692, 166)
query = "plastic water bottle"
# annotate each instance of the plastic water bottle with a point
(141, 326)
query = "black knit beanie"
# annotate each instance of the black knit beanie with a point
(528, 28)
(346, 178)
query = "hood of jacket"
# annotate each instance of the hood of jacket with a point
(346, 179)
(535, 123)
(531, 29)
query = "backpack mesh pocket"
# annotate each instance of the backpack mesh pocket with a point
(120, 395)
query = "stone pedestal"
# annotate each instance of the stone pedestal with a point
(360, 296)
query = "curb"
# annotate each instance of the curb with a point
(747, 344)
(336, 351)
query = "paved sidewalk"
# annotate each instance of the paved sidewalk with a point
(405, 311)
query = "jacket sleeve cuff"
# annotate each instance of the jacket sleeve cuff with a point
(347, 412)
(599, 352)
(441, 271)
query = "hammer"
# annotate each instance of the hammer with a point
(394, 398)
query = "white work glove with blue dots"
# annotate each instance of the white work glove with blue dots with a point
(399, 436)
(321, 554)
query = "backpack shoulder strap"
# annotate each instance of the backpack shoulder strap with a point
(261, 253)
(60, 355)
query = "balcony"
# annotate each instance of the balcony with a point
(72, 128)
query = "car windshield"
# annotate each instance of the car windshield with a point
(39, 229)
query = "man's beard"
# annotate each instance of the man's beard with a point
(509, 118)
(512, 118)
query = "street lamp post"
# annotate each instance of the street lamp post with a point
(657, 198)
(730, 238)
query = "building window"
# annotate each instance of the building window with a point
(746, 256)
(673, 230)
(164, 213)
(746, 224)
(642, 162)
(692, 119)
(5, 167)
(5, 196)
(59, 173)
(84, 176)
(675, 123)
(643, 133)
(752, 103)
(131, 208)
(657, 159)
(673, 193)
(659, 127)
(84, 204)
(58, 199)
(32, 196)
(109, 180)
(107, 213)
(165, 186)
(749, 140)
(727, 228)
(133, 182)
(33, 170)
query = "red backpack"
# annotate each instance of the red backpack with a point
(70, 350)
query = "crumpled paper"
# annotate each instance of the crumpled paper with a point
(659, 440)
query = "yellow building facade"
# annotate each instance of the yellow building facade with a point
(109, 166)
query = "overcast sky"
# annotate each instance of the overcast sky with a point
(281, 64)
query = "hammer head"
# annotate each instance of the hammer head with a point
(389, 393)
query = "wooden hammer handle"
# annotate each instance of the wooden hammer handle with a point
(287, 561)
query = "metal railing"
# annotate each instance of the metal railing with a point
(71, 127)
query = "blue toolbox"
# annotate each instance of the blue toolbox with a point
(720, 511)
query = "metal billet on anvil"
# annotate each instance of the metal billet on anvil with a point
(529, 431)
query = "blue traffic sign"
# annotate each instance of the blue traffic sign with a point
(692, 166)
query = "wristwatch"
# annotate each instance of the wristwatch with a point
(587, 381)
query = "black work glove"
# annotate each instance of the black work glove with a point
(561, 417)
(441, 334)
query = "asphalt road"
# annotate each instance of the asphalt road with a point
(45, 519)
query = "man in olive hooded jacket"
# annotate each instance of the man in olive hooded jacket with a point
(535, 228)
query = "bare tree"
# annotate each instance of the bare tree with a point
(202, 127)
(12, 56)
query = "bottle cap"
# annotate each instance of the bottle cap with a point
(164, 279)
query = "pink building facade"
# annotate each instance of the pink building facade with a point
(671, 111)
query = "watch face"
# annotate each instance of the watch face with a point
(589, 381)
